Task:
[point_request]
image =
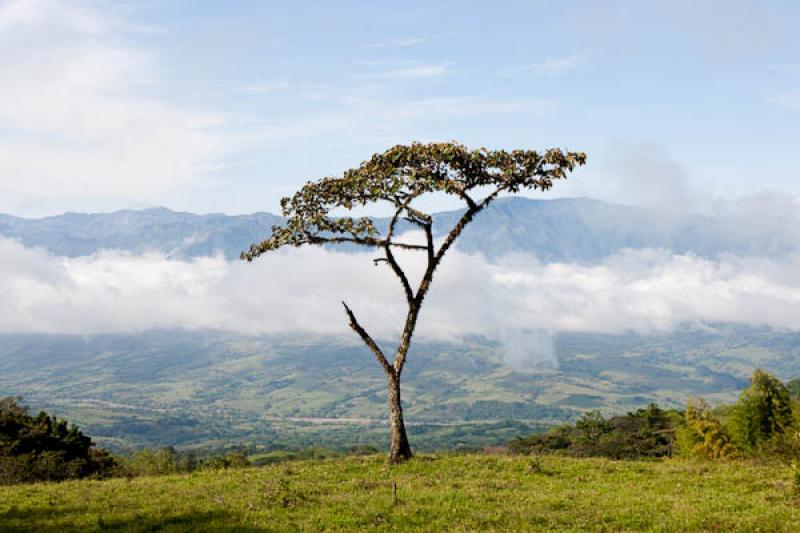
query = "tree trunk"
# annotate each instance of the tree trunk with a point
(399, 450)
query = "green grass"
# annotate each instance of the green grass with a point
(443, 492)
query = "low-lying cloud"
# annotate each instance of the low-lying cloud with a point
(516, 300)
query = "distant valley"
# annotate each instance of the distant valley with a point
(206, 389)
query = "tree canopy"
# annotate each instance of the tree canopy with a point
(402, 174)
(44, 448)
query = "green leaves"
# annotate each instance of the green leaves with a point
(400, 175)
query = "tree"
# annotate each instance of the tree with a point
(45, 448)
(704, 435)
(399, 177)
(764, 410)
(589, 428)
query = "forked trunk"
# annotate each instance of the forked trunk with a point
(399, 450)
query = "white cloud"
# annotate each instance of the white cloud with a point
(76, 119)
(644, 174)
(516, 300)
(789, 101)
(647, 175)
(418, 72)
(455, 107)
(554, 66)
(401, 42)
(265, 87)
(380, 121)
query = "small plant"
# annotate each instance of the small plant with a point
(795, 466)
(535, 466)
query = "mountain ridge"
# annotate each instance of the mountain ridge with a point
(553, 230)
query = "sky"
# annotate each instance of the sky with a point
(209, 106)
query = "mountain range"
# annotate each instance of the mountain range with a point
(559, 230)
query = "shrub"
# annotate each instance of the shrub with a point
(647, 432)
(705, 436)
(44, 448)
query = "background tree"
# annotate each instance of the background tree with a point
(45, 448)
(704, 436)
(399, 177)
(763, 411)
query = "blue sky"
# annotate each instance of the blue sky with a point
(227, 106)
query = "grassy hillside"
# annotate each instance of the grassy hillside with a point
(444, 492)
(201, 389)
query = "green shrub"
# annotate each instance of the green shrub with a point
(166, 460)
(707, 438)
(44, 448)
(644, 433)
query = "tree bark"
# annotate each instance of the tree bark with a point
(399, 450)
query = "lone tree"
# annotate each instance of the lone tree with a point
(399, 177)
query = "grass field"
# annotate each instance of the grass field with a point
(434, 492)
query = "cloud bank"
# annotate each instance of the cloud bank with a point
(80, 114)
(516, 300)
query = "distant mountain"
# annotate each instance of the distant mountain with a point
(158, 229)
(574, 229)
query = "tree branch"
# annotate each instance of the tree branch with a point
(393, 262)
(405, 339)
(369, 241)
(465, 219)
(429, 241)
(368, 340)
(464, 196)
(416, 216)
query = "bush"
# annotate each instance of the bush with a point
(703, 435)
(168, 460)
(44, 448)
(229, 460)
(647, 432)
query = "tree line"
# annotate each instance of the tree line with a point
(43, 447)
(763, 423)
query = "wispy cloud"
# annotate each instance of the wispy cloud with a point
(389, 119)
(789, 101)
(459, 107)
(74, 97)
(417, 72)
(552, 67)
(786, 68)
(265, 87)
(400, 42)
